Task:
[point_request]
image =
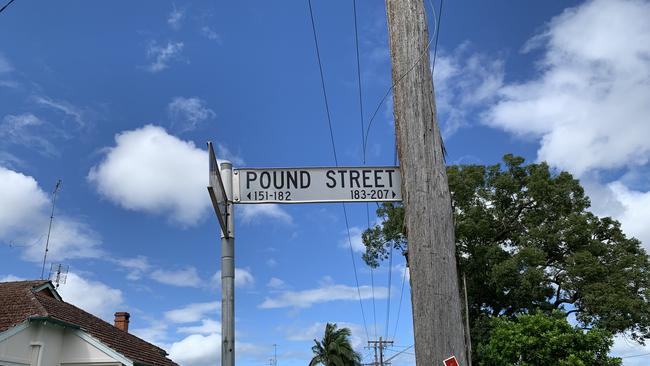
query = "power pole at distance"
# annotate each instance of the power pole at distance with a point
(437, 320)
(379, 345)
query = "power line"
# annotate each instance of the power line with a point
(6, 5)
(363, 149)
(329, 121)
(383, 99)
(399, 353)
(354, 267)
(401, 296)
(356, 45)
(322, 80)
(643, 354)
(390, 276)
(374, 308)
(435, 47)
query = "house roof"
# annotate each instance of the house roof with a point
(22, 300)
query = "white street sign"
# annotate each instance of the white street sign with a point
(301, 185)
(217, 192)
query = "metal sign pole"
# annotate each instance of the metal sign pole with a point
(228, 273)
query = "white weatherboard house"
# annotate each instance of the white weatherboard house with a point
(38, 328)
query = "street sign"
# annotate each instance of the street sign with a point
(301, 185)
(451, 361)
(217, 192)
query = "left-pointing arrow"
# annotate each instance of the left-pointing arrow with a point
(249, 195)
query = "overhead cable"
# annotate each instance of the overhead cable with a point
(329, 121)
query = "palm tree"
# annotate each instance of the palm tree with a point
(335, 348)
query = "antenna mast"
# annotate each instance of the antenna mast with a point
(47, 242)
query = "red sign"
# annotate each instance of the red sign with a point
(451, 361)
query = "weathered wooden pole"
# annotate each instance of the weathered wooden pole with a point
(435, 295)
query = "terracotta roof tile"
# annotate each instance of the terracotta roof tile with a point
(18, 302)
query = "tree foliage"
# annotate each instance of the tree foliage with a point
(526, 241)
(335, 348)
(543, 339)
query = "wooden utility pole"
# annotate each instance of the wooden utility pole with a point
(435, 295)
(379, 345)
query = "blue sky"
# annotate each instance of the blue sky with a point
(117, 99)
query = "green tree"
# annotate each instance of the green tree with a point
(526, 241)
(543, 339)
(335, 348)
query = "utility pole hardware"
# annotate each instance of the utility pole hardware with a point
(379, 345)
(437, 320)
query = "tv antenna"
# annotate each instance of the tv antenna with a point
(58, 273)
(49, 230)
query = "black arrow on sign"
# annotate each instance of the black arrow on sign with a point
(393, 194)
(249, 195)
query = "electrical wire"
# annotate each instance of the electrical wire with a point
(398, 353)
(363, 149)
(640, 355)
(434, 37)
(390, 276)
(329, 121)
(6, 5)
(356, 46)
(401, 296)
(322, 80)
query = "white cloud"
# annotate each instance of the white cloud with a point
(316, 331)
(5, 65)
(152, 171)
(21, 199)
(193, 312)
(635, 213)
(187, 277)
(136, 266)
(11, 278)
(24, 219)
(24, 130)
(256, 213)
(64, 107)
(187, 113)
(156, 333)
(10, 160)
(94, 297)
(325, 293)
(69, 239)
(205, 350)
(271, 262)
(207, 326)
(463, 83)
(630, 350)
(243, 278)
(197, 350)
(589, 104)
(210, 34)
(162, 55)
(175, 18)
(223, 153)
(276, 284)
(355, 238)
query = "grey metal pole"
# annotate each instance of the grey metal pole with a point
(228, 274)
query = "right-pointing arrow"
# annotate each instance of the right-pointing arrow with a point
(394, 194)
